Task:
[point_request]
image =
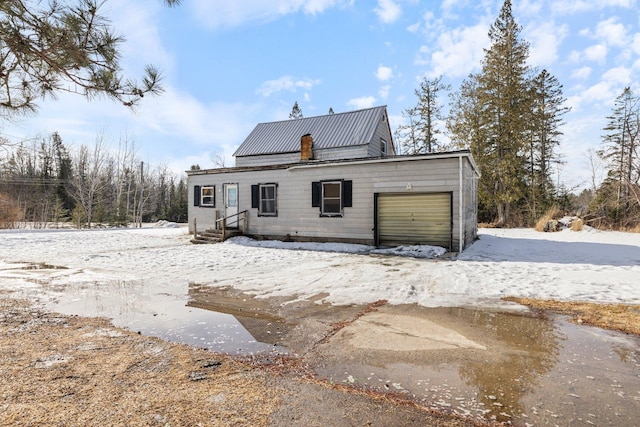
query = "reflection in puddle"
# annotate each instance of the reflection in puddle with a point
(155, 310)
(525, 370)
(254, 315)
(533, 372)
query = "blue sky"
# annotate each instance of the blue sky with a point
(229, 65)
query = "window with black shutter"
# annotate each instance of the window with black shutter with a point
(264, 197)
(204, 195)
(332, 196)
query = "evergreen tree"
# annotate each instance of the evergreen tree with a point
(296, 112)
(499, 114)
(429, 112)
(547, 109)
(51, 47)
(64, 174)
(406, 134)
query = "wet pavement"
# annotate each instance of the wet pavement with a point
(489, 365)
(534, 371)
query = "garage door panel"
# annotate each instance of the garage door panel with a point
(414, 219)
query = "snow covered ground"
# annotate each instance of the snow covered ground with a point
(582, 266)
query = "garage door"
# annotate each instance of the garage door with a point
(411, 219)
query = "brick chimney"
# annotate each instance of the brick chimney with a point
(306, 148)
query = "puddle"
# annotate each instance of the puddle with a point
(533, 371)
(157, 310)
(485, 365)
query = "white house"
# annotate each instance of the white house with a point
(338, 178)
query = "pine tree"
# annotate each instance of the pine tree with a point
(64, 173)
(547, 109)
(296, 112)
(51, 47)
(406, 134)
(499, 115)
(429, 112)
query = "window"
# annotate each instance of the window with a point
(208, 197)
(383, 147)
(204, 195)
(331, 196)
(264, 197)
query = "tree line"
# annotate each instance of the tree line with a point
(45, 182)
(510, 116)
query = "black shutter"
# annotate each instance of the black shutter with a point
(347, 194)
(214, 195)
(196, 195)
(255, 196)
(315, 194)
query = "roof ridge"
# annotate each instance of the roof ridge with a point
(324, 115)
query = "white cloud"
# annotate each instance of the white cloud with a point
(362, 102)
(618, 76)
(384, 91)
(413, 28)
(529, 8)
(596, 53)
(225, 14)
(576, 6)
(612, 32)
(448, 6)
(609, 32)
(635, 45)
(287, 83)
(600, 91)
(383, 73)
(546, 39)
(182, 116)
(458, 51)
(582, 73)
(388, 11)
(143, 45)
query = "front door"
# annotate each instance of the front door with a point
(231, 204)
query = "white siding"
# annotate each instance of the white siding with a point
(268, 159)
(297, 218)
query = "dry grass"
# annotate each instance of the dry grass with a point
(619, 317)
(550, 214)
(69, 371)
(635, 229)
(59, 370)
(10, 212)
(577, 225)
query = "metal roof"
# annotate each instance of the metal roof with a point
(329, 131)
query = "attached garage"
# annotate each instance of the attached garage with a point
(402, 200)
(422, 218)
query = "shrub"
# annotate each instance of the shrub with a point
(577, 224)
(552, 213)
(10, 212)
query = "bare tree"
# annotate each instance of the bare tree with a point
(88, 178)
